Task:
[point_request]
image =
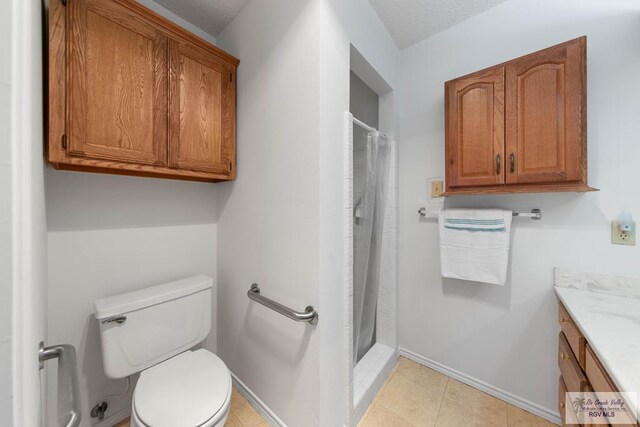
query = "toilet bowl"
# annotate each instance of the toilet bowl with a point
(191, 389)
(152, 331)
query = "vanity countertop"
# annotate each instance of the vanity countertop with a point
(609, 318)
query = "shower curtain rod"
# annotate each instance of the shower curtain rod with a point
(364, 125)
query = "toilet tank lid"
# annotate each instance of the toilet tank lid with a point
(131, 301)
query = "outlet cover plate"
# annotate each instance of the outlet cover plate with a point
(623, 238)
(437, 188)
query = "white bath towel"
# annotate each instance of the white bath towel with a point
(474, 244)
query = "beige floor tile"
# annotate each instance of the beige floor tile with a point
(233, 421)
(452, 414)
(379, 416)
(248, 416)
(124, 423)
(412, 402)
(428, 378)
(481, 404)
(237, 400)
(520, 418)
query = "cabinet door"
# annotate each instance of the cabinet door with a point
(117, 84)
(201, 110)
(475, 129)
(546, 115)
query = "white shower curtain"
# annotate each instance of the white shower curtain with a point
(368, 231)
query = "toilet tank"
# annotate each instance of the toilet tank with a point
(142, 328)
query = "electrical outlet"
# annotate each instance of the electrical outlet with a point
(619, 237)
(436, 188)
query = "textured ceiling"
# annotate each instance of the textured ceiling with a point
(211, 16)
(409, 21)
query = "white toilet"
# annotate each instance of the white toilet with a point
(151, 331)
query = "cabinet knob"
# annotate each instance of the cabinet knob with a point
(498, 164)
(564, 356)
(562, 404)
(563, 319)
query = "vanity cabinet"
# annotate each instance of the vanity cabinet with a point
(132, 93)
(580, 370)
(519, 126)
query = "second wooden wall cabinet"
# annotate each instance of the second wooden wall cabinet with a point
(132, 93)
(519, 126)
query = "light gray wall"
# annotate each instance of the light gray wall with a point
(363, 101)
(6, 238)
(507, 336)
(22, 219)
(268, 217)
(363, 104)
(110, 234)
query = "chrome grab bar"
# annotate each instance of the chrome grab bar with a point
(309, 315)
(68, 372)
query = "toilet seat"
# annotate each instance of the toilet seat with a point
(192, 389)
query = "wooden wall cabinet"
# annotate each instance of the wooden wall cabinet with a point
(132, 93)
(519, 126)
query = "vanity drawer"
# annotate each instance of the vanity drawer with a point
(562, 403)
(598, 378)
(601, 383)
(574, 337)
(574, 378)
(569, 417)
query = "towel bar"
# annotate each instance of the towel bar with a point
(535, 214)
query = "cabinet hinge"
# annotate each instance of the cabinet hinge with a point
(230, 77)
(230, 165)
(64, 141)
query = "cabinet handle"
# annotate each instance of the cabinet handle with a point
(563, 319)
(512, 160)
(498, 164)
(562, 404)
(564, 356)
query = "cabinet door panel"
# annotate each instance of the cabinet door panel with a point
(475, 129)
(545, 115)
(201, 111)
(118, 84)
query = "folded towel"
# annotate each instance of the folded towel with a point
(474, 244)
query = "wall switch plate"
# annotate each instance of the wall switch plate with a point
(619, 237)
(436, 188)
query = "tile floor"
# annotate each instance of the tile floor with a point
(415, 395)
(241, 414)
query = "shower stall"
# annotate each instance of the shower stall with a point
(372, 286)
(371, 152)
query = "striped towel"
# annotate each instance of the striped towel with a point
(474, 244)
(474, 224)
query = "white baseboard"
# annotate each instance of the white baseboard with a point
(511, 398)
(269, 416)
